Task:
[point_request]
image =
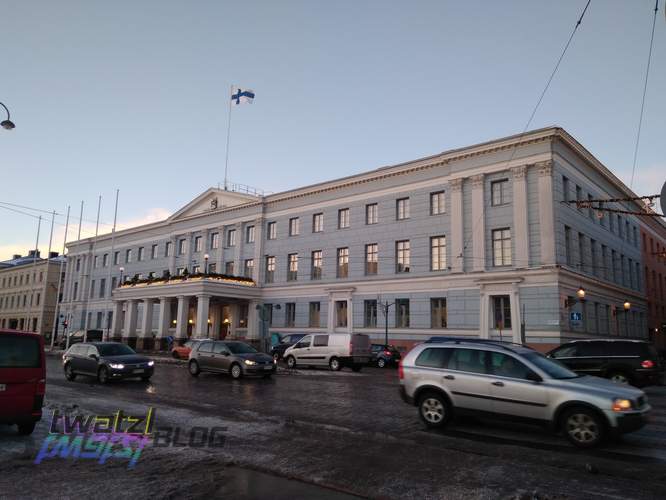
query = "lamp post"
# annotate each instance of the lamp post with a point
(264, 317)
(627, 307)
(385, 310)
(122, 270)
(7, 124)
(206, 257)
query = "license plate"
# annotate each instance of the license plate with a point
(3, 387)
(140, 370)
(268, 367)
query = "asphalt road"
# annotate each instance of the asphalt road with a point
(335, 433)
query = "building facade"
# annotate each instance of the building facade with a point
(29, 292)
(653, 236)
(478, 241)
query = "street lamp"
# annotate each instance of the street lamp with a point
(7, 124)
(581, 293)
(206, 257)
(385, 309)
(626, 305)
(122, 270)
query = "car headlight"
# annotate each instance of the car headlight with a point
(250, 362)
(151, 363)
(621, 404)
(117, 366)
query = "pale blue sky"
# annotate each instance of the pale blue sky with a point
(134, 95)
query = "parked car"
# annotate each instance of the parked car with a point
(183, 351)
(633, 362)
(236, 358)
(505, 381)
(22, 379)
(334, 350)
(277, 351)
(384, 355)
(106, 361)
(78, 336)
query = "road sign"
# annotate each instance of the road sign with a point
(576, 316)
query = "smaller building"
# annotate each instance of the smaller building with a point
(29, 292)
(653, 236)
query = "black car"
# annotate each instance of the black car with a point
(634, 362)
(383, 355)
(106, 361)
(277, 351)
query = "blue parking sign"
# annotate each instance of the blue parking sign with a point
(576, 316)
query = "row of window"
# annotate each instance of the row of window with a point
(21, 279)
(20, 301)
(19, 324)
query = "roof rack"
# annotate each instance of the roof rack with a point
(457, 340)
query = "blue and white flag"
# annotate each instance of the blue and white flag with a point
(240, 96)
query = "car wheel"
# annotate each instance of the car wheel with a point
(583, 427)
(291, 362)
(619, 378)
(434, 410)
(69, 374)
(236, 371)
(356, 368)
(175, 355)
(194, 369)
(276, 357)
(26, 428)
(334, 364)
(381, 362)
(103, 375)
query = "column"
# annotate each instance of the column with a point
(130, 322)
(117, 320)
(172, 258)
(520, 226)
(219, 258)
(457, 236)
(258, 251)
(238, 250)
(484, 313)
(201, 326)
(181, 317)
(546, 215)
(515, 314)
(188, 252)
(164, 321)
(479, 224)
(253, 321)
(146, 340)
(350, 315)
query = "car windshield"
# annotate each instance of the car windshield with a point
(240, 348)
(114, 350)
(19, 352)
(552, 368)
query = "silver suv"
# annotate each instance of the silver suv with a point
(457, 376)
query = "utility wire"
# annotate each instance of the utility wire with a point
(645, 84)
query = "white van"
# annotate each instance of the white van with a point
(334, 350)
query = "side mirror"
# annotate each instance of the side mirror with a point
(534, 377)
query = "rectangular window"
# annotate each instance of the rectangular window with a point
(198, 243)
(567, 245)
(128, 256)
(292, 267)
(95, 262)
(579, 193)
(341, 313)
(290, 315)
(212, 268)
(581, 251)
(294, 226)
(180, 271)
(248, 268)
(314, 316)
(196, 269)
(371, 213)
(501, 247)
(402, 209)
(114, 283)
(370, 313)
(271, 230)
(438, 313)
(343, 218)
(231, 238)
(102, 288)
(343, 262)
(249, 234)
(168, 249)
(402, 256)
(317, 223)
(229, 268)
(78, 267)
(316, 261)
(604, 261)
(438, 253)
(371, 258)
(92, 289)
(402, 313)
(614, 265)
(270, 269)
(565, 188)
(153, 252)
(105, 260)
(498, 190)
(590, 211)
(502, 312)
(214, 241)
(437, 203)
(593, 256)
(139, 255)
(181, 246)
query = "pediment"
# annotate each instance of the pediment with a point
(211, 200)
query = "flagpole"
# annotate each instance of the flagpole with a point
(26, 326)
(113, 248)
(70, 313)
(46, 280)
(91, 268)
(56, 316)
(226, 162)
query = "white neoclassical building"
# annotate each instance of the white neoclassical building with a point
(475, 241)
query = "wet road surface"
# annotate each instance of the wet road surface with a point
(347, 431)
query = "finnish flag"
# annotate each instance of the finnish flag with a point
(240, 96)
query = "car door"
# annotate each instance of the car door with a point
(568, 355)
(301, 350)
(79, 361)
(465, 376)
(515, 388)
(204, 355)
(221, 357)
(89, 359)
